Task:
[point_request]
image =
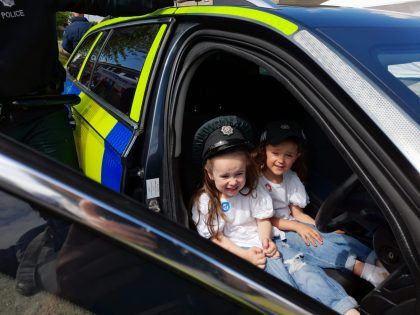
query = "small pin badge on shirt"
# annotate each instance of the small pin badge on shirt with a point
(268, 187)
(225, 206)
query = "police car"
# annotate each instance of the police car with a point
(349, 77)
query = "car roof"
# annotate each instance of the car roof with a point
(327, 16)
(310, 17)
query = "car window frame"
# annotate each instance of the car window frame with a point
(147, 77)
(159, 44)
(74, 54)
(101, 34)
(179, 249)
(334, 109)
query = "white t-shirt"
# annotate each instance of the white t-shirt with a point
(290, 191)
(241, 212)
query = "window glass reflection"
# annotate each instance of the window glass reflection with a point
(120, 63)
(87, 70)
(77, 61)
(88, 273)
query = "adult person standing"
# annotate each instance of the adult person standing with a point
(30, 68)
(74, 32)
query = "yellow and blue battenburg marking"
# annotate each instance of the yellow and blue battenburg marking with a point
(115, 144)
(100, 140)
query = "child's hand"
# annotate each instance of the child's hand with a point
(270, 248)
(339, 232)
(256, 257)
(309, 235)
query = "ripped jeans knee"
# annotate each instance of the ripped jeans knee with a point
(313, 281)
(295, 263)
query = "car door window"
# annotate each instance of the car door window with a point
(90, 63)
(103, 130)
(88, 273)
(120, 63)
(76, 62)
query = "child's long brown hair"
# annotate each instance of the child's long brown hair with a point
(260, 158)
(215, 212)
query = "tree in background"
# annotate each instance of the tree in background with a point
(61, 21)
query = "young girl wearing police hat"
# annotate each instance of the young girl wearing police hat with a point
(280, 151)
(230, 210)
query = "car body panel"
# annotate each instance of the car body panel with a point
(98, 134)
(312, 55)
(102, 140)
(265, 17)
(145, 74)
(337, 24)
(140, 230)
(287, 21)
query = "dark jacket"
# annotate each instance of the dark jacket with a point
(74, 32)
(28, 42)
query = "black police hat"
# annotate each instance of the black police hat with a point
(278, 131)
(221, 134)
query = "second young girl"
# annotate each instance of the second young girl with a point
(233, 213)
(281, 149)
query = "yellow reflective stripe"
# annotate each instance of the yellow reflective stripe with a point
(95, 115)
(90, 148)
(93, 124)
(284, 26)
(88, 55)
(145, 74)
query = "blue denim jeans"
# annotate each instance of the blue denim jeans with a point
(338, 251)
(276, 268)
(311, 280)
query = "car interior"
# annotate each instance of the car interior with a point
(226, 84)
(223, 83)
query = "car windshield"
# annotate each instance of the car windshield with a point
(405, 67)
(400, 70)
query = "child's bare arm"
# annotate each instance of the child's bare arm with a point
(264, 230)
(299, 215)
(285, 225)
(254, 255)
(308, 234)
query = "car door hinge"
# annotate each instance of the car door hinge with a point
(140, 173)
(136, 172)
(153, 205)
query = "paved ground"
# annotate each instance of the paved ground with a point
(39, 304)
